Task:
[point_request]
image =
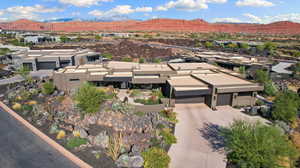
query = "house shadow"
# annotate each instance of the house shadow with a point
(213, 134)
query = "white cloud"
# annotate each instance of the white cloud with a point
(83, 3)
(143, 9)
(119, 10)
(228, 20)
(294, 17)
(253, 18)
(254, 3)
(188, 5)
(27, 12)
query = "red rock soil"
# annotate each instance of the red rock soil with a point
(168, 25)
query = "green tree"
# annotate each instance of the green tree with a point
(242, 70)
(98, 37)
(286, 107)
(208, 44)
(260, 48)
(126, 59)
(156, 158)
(48, 88)
(244, 46)
(89, 98)
(270, 88)
(257, 146)
(142, 60)
(157, 60)
(261, 76)
(64, 39)
(232, 46)
(270, 47)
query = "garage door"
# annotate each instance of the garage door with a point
(188, 100)
(46, 65)
(224, 99)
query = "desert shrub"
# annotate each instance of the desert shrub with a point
(135, 93)
(257, 145)
(168, 137)
(89, 98)
(208, 44)
(286, 107)
(24, 72)
(148, 101)
(107, 55)
(27, 108)
(157, 93)
(140, 113)
(155, 142)
(156, 158)
(48, 88)
(25, 95)
(170, 115)
(157, 60)
(126, 59)
(115, 146)
(76, 142)
(142, 60)
(160, 126)
(17, 106)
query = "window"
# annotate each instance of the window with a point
(73, 80)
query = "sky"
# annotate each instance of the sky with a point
(250, 11)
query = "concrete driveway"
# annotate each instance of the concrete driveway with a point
(198, 144)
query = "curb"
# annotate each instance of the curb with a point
(44, 137)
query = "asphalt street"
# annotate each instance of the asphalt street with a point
(20, 148)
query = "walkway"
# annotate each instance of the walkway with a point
(198, 143)
(20, 148)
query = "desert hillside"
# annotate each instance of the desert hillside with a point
(170, 25)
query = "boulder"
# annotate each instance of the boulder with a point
(102, 140)
(130, 161)
(53, 129)
(83, 133)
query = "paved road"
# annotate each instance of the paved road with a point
(20, 148)
(198, 144)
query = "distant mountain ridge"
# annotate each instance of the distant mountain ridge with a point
(166, 25)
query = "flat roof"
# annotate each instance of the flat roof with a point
(153, 67)
(121, 65)
(185, 81)
(221, 79)
(191, 66)
(189, 88)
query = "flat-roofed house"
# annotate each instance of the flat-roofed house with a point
(184, 82)
(55, 58)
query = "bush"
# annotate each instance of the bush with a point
(89, 98)
(286, 107)
(257, 145)
(261, 76)
(170, 115)
(76, 142)
(126, 59)
(48, 88)
(147, 101)
(107, 55)
(156, 158)
(168, 137)
(270, 89)
(208, 44)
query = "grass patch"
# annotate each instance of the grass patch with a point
(76, 142)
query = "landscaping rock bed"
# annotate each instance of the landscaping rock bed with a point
(115, 136)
